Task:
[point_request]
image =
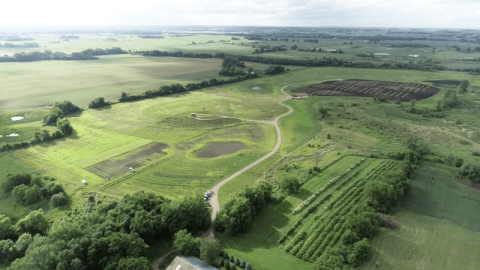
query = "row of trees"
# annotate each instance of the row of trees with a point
(178, 88)
(24, 45)
(49, 55)
(109, 234)
(381, 195)
(64, 128)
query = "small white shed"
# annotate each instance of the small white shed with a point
(194, 114)
(84, 182)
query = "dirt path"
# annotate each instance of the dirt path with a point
(159, 261)
(214, 199)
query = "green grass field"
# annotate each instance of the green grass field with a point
(425, 243)
(436, 192)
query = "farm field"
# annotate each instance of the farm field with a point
(37, 84)
(387, 90)
(422, 242)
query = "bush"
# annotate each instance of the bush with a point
(58, 199)
(186, 244)
(64, 126)
(417, 145)
(470, 172)
(359, 253)
(15, 180)
(98, 102)
(290, 184)
(454, 161)
(476, 153)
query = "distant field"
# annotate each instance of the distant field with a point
(42, 83)
(377, 89)
(424, 243)
(27, 85)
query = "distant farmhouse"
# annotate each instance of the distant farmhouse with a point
(189, 263)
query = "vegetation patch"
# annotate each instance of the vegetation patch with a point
(378, 89)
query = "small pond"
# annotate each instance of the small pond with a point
(217, 149)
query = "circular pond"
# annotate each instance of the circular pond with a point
(217, 149)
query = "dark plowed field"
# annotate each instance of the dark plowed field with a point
(361, 88)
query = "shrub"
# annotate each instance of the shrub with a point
(18, 193)
(64, 126)
(248, 267)
(454, 161)
(98, 102)
(58, 199)
(476, 153)
(237, 262)
(15, 180)
(470, 172)
(290, 184)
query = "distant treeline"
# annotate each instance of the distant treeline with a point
(14, 38)
(151, 37)
(324, 62)
(24, 45)
(49, 55)
(70, 37)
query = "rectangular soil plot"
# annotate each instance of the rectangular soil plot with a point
(364, 88)
(115, 167)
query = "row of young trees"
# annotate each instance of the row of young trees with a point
(49, 55)
(104, 234)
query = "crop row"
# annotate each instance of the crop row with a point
(307, 201)
(289, 231)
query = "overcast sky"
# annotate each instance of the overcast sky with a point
(363, 13)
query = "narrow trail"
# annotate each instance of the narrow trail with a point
(214, 199)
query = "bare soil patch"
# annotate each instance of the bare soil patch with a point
(475, 186)
(113, 168)
(217, 149)
(393, 91)
(444, 82)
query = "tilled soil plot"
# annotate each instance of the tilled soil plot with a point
(393, 91)
(113, 168)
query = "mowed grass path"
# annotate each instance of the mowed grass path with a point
(424, 243)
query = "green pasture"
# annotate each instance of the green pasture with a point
(436, 192)
(425, 243)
